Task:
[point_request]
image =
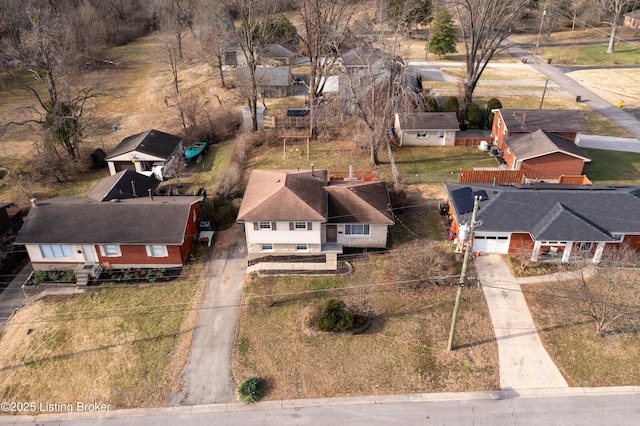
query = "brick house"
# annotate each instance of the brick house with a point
(546, 221)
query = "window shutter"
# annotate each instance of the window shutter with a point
(309, 226)
(255, 226)
(273, 226)
(291, 227)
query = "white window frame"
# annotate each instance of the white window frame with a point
(441, 134)
(157, 250)
(267, 247)
(264, 226)
(499, 122)
(349, 228)
(105, 250)
(56, 251)
(300, 226)
(302, 247)
(421, 134)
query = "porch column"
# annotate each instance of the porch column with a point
(598, 254)
(567, 252)
(536, 251)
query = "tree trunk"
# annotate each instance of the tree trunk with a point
(220, 62)
(612, 38)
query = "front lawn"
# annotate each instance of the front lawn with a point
(612, 166)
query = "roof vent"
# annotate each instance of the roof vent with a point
(34, 202)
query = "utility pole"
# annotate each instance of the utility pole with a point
(544, 92)
(544, 13)
(468, 248)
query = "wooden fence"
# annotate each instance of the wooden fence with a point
(470, 141)
(491, 176)
(286, 122)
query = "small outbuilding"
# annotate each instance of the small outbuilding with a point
(426, 128)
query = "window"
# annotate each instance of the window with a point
(50, 251)
(441, 135)
(356, 229)
(300, 225)
(157, 251)
(302, 247)
(266, 247)
(422, 134)
(264, 225)
(585, 246)
(110, 250)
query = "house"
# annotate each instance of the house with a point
(273, 82)
(426, 128)
(544, 155)
(276, 54)
(546, 221)
(115, 225)
(153, 153)
(303, 214)
(632, 19)
(509, 122)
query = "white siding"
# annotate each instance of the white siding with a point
(432, 138)
(283, 236)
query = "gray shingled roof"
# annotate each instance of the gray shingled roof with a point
(428, 121)
(549, 120)
(561, 213)
(81, 220)
(152, 142)
(539, 142)
(265, 76)
(359, 202)
(284, 195)
(123, 185)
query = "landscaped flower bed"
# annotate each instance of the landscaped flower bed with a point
(137, 276)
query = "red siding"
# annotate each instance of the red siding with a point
(632, 240)
(552, 166)
(521, 244)
(137, 255)
(191, 231)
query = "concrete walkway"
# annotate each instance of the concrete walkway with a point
(207, 377)
(524, 363)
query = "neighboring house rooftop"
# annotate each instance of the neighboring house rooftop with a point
(523, 120)
(82, 220)
(359, 202)
(539, 142)
(362, 56)
(428, 121)
(265, 76)
(124, 184)
(551, 212)
(276, 51)
(284, 195)
(152, 142)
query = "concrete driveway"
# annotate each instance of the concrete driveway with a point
(524, 362)
(207, 377)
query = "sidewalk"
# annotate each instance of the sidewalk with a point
(524, 363)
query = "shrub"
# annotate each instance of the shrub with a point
(452, 105)
(493, 103)
(335, 317)
(251, 390)
(474, 115)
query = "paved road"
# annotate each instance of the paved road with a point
(12, 297)
(574, 406)
(207, 377)
(524, 362)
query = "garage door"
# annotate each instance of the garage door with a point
(491, 244)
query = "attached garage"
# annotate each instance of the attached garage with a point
(491, 243)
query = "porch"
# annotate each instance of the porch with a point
(567, 251)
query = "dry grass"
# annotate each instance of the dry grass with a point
(120, 346)
(612, 84)
(583, 359)
(404, 350)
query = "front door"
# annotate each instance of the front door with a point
(89, 255)
(332, 233)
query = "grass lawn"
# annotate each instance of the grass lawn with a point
(613, 166)
(625, 54)
(438, 163)
(583, 359)
(124, 346)
(404, 350)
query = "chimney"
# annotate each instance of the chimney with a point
(312, 170)
(524, 119)
(133, 188)
(34, 202)
(150, 194)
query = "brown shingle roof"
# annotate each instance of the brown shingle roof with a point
(428, 121)
(523, 120)
(535, 144)
(359, 202)
(284, 195)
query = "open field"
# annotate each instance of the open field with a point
(583, 359)
(124, 346)
(613, 84)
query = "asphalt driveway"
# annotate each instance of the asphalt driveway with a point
(207, 377)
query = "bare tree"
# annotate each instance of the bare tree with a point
(47, 60)
(610, 297)
(615, 8)
(484, 26)
(325, 25)
(178, 16)
(215, 34)
(252, 34)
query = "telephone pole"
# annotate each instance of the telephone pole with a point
(468, 248)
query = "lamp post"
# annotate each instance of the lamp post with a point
(544, 13)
